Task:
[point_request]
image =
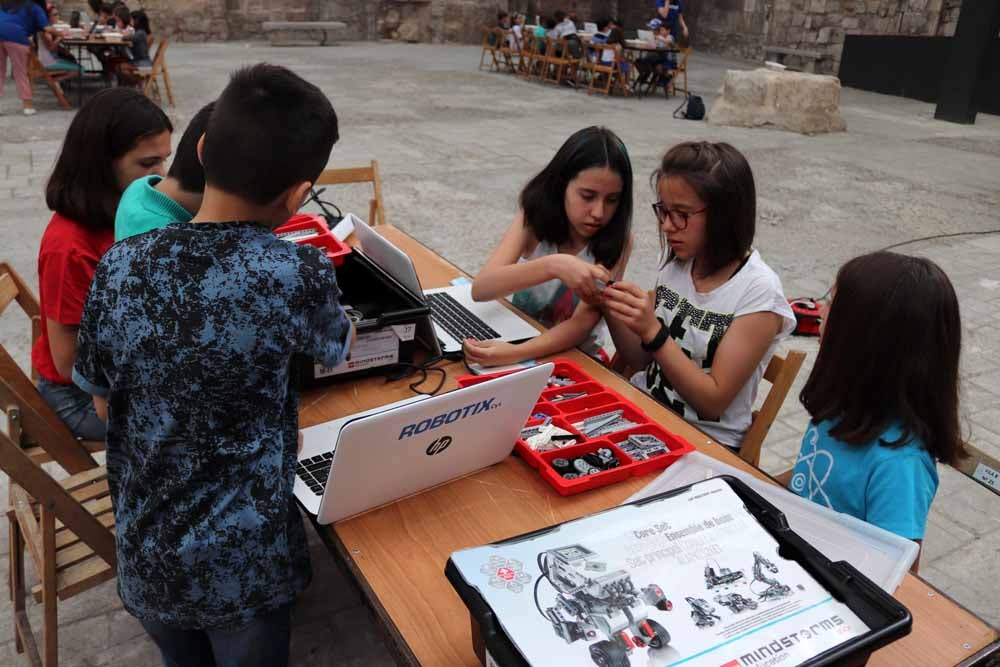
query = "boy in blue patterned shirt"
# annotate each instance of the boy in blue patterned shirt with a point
(186, 344)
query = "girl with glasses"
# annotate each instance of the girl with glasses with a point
(570, 236)
(705, 335)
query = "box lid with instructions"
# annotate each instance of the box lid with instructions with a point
(631, 586)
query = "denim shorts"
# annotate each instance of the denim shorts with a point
(75, 407)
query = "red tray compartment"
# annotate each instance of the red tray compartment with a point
(568, 487)
(629, 412)
(324, 239)
(676, 446)
(534, 458)
(568, 369)
(583, 403)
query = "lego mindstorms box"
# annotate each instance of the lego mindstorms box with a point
(688, 577)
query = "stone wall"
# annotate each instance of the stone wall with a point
(743, 27)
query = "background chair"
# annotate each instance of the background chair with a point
(595, 65)
(369, 174)
(509, 49)
(36, 70)
(557, 60)
(490, 46)
(681, 72)
(149, 75)
(781, 374)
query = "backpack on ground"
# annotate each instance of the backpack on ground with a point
(695, 108)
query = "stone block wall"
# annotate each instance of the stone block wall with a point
(743, 27)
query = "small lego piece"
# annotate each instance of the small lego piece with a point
(560, 381)
(567, 396)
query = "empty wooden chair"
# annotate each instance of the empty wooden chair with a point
(36, 70)
(490, 46)
(369, 174)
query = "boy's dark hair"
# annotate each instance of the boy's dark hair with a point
(616, 36)
(105, 8)
(723, 180)
(83, 187)
(603, 23)
(548, 22)
(74, 19)
(270, 130)
(890, 355)
(186, 167)
(559, 16)
(501, 15)
(544, 197)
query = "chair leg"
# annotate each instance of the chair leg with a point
(57, 90)
(166, 84)
(16, 580)
(51, 622)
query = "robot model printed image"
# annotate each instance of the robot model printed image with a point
(722, 577)
(735, 602)
(775, 589)
(702, 613)
(591, 601)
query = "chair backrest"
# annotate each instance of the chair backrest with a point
(596, 53)
(501, 35)
(489, 37)
(38, 421)
(369, 174)
(42, 487)
(159, 60)
(685, 54)
(781, 374)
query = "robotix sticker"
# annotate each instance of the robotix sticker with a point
(692, 579)
(370, 350)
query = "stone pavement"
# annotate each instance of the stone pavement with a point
(455, 146)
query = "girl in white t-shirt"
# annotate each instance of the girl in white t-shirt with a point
(573, 229)
(706, 334)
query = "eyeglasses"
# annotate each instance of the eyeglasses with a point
(678, 218)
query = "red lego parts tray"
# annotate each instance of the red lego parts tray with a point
(585, 466)
(309, 229)
(609, 418)
(675, 445)
(533, 457)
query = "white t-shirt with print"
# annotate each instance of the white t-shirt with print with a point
(698, 321)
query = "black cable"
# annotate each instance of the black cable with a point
(314, 197)
(932, 237)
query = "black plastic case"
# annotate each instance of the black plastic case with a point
(384, 303)
(888, 619)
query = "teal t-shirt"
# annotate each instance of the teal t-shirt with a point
(889, 487)
(143, 207)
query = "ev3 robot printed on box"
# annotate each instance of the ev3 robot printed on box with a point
(592, 602)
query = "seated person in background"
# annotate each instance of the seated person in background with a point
(706, 333)
(573, 230)
(547, 27)
(142, 38)
(503, 20)
(566, 29)
(188, 335)
(121, 20)
(153, 201)
(74, 19)
(658, 66)
(603, 30)
(117, 136)
(883, 394)
(51, 53)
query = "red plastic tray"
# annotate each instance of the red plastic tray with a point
(599, 399)
(324, 239)
(568, 487)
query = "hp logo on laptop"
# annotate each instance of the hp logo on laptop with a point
(438, 445)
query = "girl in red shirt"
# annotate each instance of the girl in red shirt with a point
(116, 137)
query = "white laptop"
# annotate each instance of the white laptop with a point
(363, 461)
(454, 314)
(644, 35)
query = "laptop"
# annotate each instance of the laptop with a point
(351, 465)
(644, 35)
(453, 312)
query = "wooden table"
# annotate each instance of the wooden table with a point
(633, 50)
(90, 41)
(397, 553)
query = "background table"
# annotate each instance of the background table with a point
(397, 553)
(78, 44)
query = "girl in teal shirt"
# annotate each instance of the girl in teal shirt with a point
(883, 394)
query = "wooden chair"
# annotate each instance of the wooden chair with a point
(369, 174)
(490, 46)
(557, 60)
(781, 374)
(39, 430)
(595, 65)
(68, 529)
(36, 70)
(149, 76)
(509, 49)
(535, 63)
(681, 72)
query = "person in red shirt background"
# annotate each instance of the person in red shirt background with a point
(116, 137)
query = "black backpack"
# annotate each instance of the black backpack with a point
(695, 108)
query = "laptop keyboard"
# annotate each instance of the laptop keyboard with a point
(314, 471)
(450, 315)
